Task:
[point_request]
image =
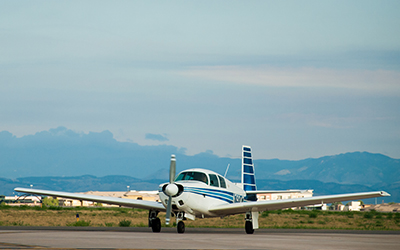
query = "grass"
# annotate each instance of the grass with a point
(125, 223)
(80, 223)
(126, 217)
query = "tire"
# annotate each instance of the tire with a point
(181, 227)
(249, 227)
(156, 225)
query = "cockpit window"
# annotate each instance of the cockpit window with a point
(192, 176)
(222, 181)
(214, 180)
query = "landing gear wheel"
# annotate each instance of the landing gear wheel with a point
(249, 227)
(156, 225)
(181, 227)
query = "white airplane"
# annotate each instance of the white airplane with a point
(203, 193)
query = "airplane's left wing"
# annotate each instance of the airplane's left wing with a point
(151, 205)
(243, 207)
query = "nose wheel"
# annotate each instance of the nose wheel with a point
(180, 227)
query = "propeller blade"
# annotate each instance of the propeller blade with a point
(172, 169)
(169, 208)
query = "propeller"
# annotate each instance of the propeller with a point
(171, 189)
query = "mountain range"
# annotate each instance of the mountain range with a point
(62, 159)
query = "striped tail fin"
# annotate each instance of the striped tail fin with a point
(248, 174)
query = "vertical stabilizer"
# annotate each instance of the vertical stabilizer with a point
(248, 174)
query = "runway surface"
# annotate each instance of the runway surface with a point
(193, 238)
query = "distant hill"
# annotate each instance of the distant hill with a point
(63, 152)
(350, 168)
(79, 183)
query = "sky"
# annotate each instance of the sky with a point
(293, 79)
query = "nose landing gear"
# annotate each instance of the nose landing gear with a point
(180, 226)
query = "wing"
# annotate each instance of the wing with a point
(236, 208)
(151, 205)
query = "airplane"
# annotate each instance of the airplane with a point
(200, 193)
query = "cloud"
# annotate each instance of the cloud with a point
(369, 80)
(330, 120)
(156, 137)
(315, 120)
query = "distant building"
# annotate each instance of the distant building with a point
(285, 194)
(316, 207)
(22, 200)
(352, 206)
(339, 207)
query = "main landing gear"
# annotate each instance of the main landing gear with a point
(155, 222)
(251, 222)
(249, 227)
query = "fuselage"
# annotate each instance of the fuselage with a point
(200, 190)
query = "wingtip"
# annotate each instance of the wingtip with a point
(383, 193)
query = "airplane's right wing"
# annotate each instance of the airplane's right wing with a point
(243, 207)
(151, 205)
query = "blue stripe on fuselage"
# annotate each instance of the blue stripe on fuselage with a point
(217, 194)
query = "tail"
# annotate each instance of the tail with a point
(248, 174)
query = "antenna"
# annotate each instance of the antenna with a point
(226, 171)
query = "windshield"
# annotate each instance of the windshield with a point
(192, 176)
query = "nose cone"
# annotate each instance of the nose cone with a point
(171, 190)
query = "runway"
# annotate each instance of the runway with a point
(193, 238)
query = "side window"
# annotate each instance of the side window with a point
(222, 181)
(214, 180)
